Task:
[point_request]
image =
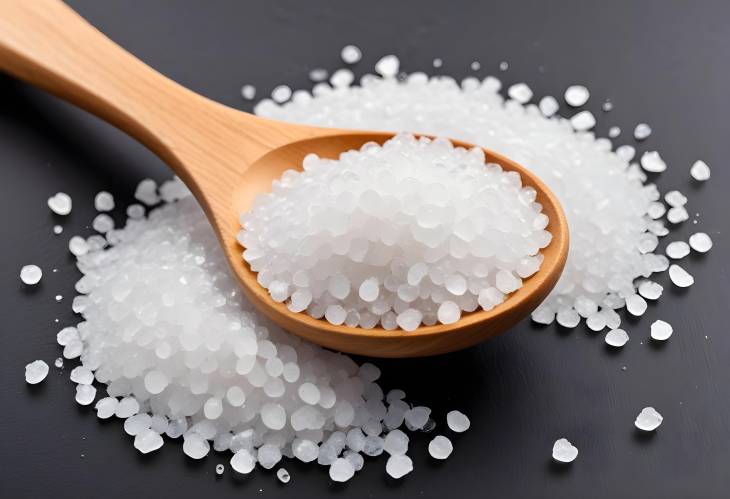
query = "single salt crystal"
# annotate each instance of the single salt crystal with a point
(448, 312)
(564, 451)
(135, 211)
(440, 447)
(700, 171)
(396, 442)
(58, 362)
(78, 246)
(248, 92)
(102, 223)
(106, 407)
(475, 66)
(57, 229)
(548, 106)
(675, 199)
(680, 277)
(661, 330)
(388, 66)
(82, 375)
(318, 75)
(503, 66)
(700, 242)
(520, 92)
(370, 372)
(196, 447)
(85, 394)
(369, 289)
(636, 305)
(626, 152)
(457, 421)
(283, 475)
(543, 315)
(305, 450)
(650, 290)
(127, 407)
(642, 131)
(35, 372)
(616, 338)
(147, 192)
(607, 105)
(219, 469)
(59, 297)
(242, 461)
(281, 93)
(31, 274)
(351, 54)
(567, 317)
(398, 466)
(583, 121)
(341, 470)
(656, 210)
(576, 95)
(342, 78)
(652, 162)
(648, 419)
(506, 282)
(335, 314)
(410, 319)
(614, 132)
(677, 250)
(437, 63)
(60, 203)
(677, 214)
(104, 201)
(147, 441)
(67, 335)
(596, 321)
(268, 455)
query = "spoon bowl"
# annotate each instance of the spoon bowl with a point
(227, 157)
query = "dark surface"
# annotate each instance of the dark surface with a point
(661, 62)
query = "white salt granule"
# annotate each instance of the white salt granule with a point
(607, 105)
(342, 78)
(626, 152)
(219, 469)
(548, 106)
(104, 201)
(700, 171)
(85, 394)
(677, 250)
(388, 66)
(127, 407)
(475, 65)
(440, 447)
(59, 297)
(652, 162)
(351, 54)
(520, 92)
(680, 277)
(147, 441)
(583, 121)
(60, 203)
(650, 290)
(661, 330)
(614, 132)
(31, 274)
(106, 407)
(281, 93)
(58, 362)
(57, 229)
(341, 470)
(642, 131)
(81, 375)
(503, 66)
(636, 305)
(318, 75)
(283, 475)
(398, 466)
(396, 442)
(576, 95)
(437, 63)
(248, 92)
(102, 223)
(147, 192)
(677, 214)
(78, 246)
(700, 242)
(197, 447)
(35, 372)
(243, 462)
(564, 451)
(616, 338)
(648, 419)
(417, 248)
(675, 199)
(457, 421)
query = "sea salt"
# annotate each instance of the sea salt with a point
(283, 475)
(648, 419)
(617, 338)
(31, 274)
(680, 277)
(281, 93)
(642, 131)
(147, 441)
(520, 92)
(583, 121)
(318, 75)
(102, 223)
(440, 447)
(636, 305)
(350, 54)
(60, 203)
(147, 192)
(614, 132)
(700, 242)
(475, 66)
(564, 451)
(548, 106)
(248, 92)
(661, 330)
(457, 421)
(85, 394)
(398, 466)
(437, 63)
(677, 250)
(650, 290)
(652, 162)
(700, 171)
(57, 229)
(388, 66)
(104, 201)
(341, 470)
(106, 407)
(576, 95)
(35, 372)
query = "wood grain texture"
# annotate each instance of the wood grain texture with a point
(228, 157)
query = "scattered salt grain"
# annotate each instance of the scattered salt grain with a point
(82, 375)
(31, 274)
(642, 131)
(564, 451)
(548, 106)
(675, 199)
(242, 461)
(59, 297)
(648, 419)
(417, 417)
(475, 66)
(396, 442)
(652, 162)
(147, 441)
(127, 407)
(626, 152)
(680, 277)
(106, 407)
(398, 466)
(60, 203)
(342, 78)
(104, 201)
(677, 250)
(388, 66)
(248, 92)
(583, 121)
(503, 66)
(219, 469)
(281, 93)
(57, 229)
(35, 372)
(440, 447)
(677, 214)
(457, 421)
(351, 54)
(197, 447)
(147, 192)
(78, 246)
(700, 171)
(700, 242)
(617, 338)
(318, 75)
(103, 223)
(650, 290)
(85, 394)
(520, 92)
(283, 475)
(661, 330)
(636, 305)
(576, 95)
(58, 362)
(614, 132)
(607, 105)
(341, 470)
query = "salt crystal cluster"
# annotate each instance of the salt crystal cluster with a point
(411, 232)
(612, 211)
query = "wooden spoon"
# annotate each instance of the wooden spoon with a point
(227, 157)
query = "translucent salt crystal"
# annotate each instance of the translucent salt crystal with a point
(147, 441)
(503, 66)
(103, 223)
(626, 152)
(242, 462)
(398, 466)
(614, 132)
(520, 92)
(700, 242)
(675, 198)
(636, 305)
(342, 78)
(35, 372)
(583, 121)
(372, 445)
(248, 92)
(650, 290)
(273, 416)
(134, 425)
(661, 330)
(448, 312)
(213, 408)
(437, 63)
(642, 131)
(652, 162)
(567, 317)
(677, 250)
(318, 74)
(596, 321)
(576, 95)
(564, 451)
(283, 475)
(475, 66)
(135, 211)
(60, 203)
(82, 375)
(341, 470)
(548, 106)
(31, 274)
(155, 381)
(309, 393)
(355, 459)
(440, 447)
(78, 246)
(351, 54)
(388, 66)
(59, 297)
(648, 419)
(127, 407)
(268, 456)
(410, 319)
(281, 93)
(369, 289)
(457, 421)
(543, 315)
(507, 282)
(396, 442)
(616, 338)
(58, 362)
(147, 192)
(196, 447)
(335, 314)
(677, 214)
(700, 171)
(57, 229)
(104, 201)
(305, 450)
(417, 417)
(85, 394)
(106, 407)
(219, 469)
(680, 277)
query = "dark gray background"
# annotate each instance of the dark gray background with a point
(663, 62)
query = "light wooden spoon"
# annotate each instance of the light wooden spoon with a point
(227, 157)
